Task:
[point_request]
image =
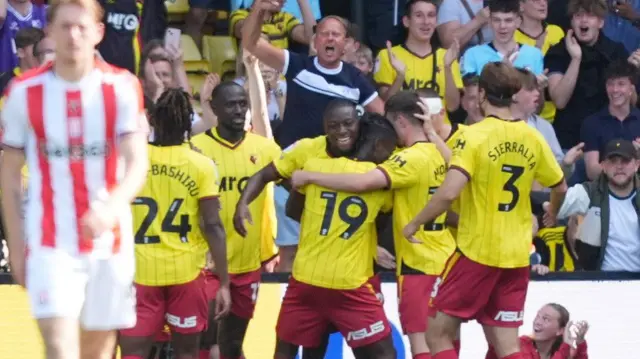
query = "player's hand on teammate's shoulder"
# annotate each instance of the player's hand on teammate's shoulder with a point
(410, 230)
(241, 215)
(299, 179)
(540, 269)
(385, 259)
(223, 302)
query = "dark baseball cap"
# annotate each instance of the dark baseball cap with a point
(622, 148)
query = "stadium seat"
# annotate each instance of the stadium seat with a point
(195, 81)
(218, 50)
(189, 49)
(177, 7)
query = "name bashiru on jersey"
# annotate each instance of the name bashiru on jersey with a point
(170, 247)
(338, 234)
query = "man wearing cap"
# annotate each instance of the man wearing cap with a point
(609, 238)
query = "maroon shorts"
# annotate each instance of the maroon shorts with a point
(211, 284)
(244, 293)
(184, 307)
(164, 335)
(492, 296)
(414, 292)
(308, 311)
(376, 284)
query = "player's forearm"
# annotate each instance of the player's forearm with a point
(354, 183)
(557, 197)
(11, 180)
(436, 206)
(442, 147)
(217, 240)
(134, 150)
(257, 183)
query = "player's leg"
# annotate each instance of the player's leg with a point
(209, 338)
(414, 291)
(302, 320)
(504, 312)
(232, 328)
(115, 303)
(56, 286)
(187, 316)
(320, 351)
(359, 316)
(460, 294)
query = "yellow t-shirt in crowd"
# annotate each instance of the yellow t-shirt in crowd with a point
(278, 27)
(170, 247)
(422, 72)
(555, 34)
(338, 233)
(501, 160)
(414, 174)
(237, 162)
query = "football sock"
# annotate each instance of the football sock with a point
(447, 354)
(204, 354)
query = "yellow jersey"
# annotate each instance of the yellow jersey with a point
(237, 162)
(553, 240)
(456, 130)
(338, 230)
(170, 247)
(555, 34)
(414, 174)
(422, 72)
(278, 27)
(296, 155)
(501, 160)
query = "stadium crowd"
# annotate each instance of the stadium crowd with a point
(297, 77)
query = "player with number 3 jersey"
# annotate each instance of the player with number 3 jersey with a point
(171, 242)
(492, 170)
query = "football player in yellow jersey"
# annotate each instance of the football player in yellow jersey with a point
(341, 126)
(492, 170)
(416, 64)
(240, 155)
(329, 284)
(176, 219)
(413, 173)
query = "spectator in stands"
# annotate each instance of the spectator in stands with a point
(278, 25)
(609, 238)
(416, 64)
(121, 45)
(16, 15)
(43, 50)
(504, 19)
(469, 100)
(620, 119)
(464, 20)
(576, 70)
(556, 246)
(554, 336)
(364, 61)
(622, 22)
(153, 52)
(534, 31)
(290, 6)
(26, 39)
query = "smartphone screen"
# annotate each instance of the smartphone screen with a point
(172, 37)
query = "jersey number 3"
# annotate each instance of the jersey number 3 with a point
(510, 186)
(182, 229)
(354, 222)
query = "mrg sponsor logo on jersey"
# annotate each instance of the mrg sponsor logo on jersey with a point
(232, 183)
(121, 21)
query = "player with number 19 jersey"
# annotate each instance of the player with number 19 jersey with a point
(501, 159)
(333, 263)
(170, 247)
(414, 174)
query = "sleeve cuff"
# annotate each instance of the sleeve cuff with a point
(461, 170)
(386, 175)
(370, 99)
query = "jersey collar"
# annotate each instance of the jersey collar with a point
(213, 133)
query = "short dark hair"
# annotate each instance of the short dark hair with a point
(621, 69)
(470, 80)
(408, 7)
(505, 6)
(528, 79)
(427, 92)
(373, 128)
(218, 90)
(595, 7)
(337, 103)
(28, 36)
(405, 103)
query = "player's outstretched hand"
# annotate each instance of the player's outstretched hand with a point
(299, 179)
(409, 231)
(223, 302)
(17, 264)
(242, 214)
(385, 259)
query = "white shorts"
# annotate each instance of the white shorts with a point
(97, 292)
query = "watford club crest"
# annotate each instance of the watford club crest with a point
(253, 159)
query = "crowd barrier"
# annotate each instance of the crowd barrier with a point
(609, 301)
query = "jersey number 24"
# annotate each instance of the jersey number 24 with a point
(181, 229)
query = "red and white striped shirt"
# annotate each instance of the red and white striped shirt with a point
(70, 133)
